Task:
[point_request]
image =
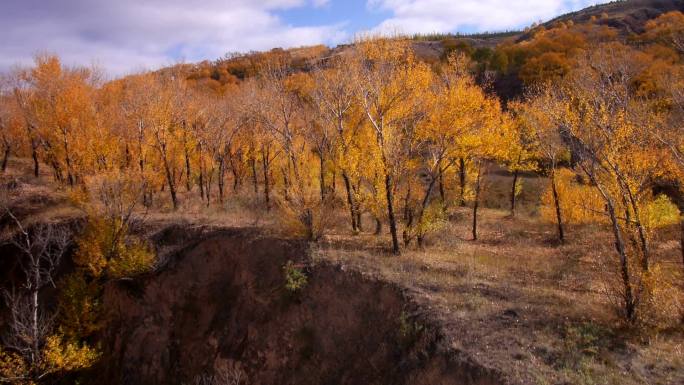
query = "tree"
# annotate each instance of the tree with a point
(33, 349)
(10, 127)
(489, 144)
(389, 79)
(458, 110)
(164, 121)
(539, 117)
(602, 122)
(22, 93)
(667, 28)
(336, 102)
(671, 134)
(62, 105)
(106, 247)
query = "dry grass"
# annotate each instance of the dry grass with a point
(517, 301)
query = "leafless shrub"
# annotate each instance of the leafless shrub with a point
(232, 375)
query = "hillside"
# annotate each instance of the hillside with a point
(469, 210)
(628, 16)
(619, 20)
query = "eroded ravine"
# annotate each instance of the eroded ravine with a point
(220, 308)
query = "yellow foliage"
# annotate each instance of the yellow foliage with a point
(64, 356)
(579, 203)
(13, 366)
(434, 219)
(80, 306)
(58, 355)
(105, 247)
(660, 212)
(136, 258)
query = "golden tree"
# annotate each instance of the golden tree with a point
(603, 123)
(389, 80)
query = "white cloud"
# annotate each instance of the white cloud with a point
(127, 35)
(425, 16)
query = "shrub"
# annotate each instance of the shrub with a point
(295, 279)
(661, 299)
(106, 247)
(409, 330)
(582, 342)
(80, 306)
(660, 212)
(137, 258)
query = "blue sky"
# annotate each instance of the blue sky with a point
(130, 35)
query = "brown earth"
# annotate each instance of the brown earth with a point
(219, 307)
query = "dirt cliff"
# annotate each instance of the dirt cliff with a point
(219, 310)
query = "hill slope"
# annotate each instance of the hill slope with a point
(629, 16)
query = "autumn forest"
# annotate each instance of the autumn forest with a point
(571, 128)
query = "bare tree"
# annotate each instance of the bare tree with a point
(31, 321)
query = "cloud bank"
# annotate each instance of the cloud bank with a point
(426, 16)
(127, 35)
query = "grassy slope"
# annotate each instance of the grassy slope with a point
(518, 302)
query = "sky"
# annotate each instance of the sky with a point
(125, 36)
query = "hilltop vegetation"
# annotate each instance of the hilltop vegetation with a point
(379, 148)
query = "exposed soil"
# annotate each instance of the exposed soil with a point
(220, 307)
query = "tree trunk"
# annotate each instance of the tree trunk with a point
(267, 187)
(128, 158)
(357, 207)
(442, 193)
(408, 217)
(322, 176)
(236, 177)
(378, 226)
(5, 158)
(350, 201)
(201, 179)
(67, 160)
(513, 191)
(221, 177)
(628, 296)
(423, 207)
(462, 180)
(252, 162)
(170, 182)
(34, 149)
(188, 185)
(34, 156)
(34, 316)
(556, 203)
(207, 190)
(390, 213)
(643, 240)
(476, 202)
(55, 167)
(286, 184)
(624, 265)
(307, 220)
